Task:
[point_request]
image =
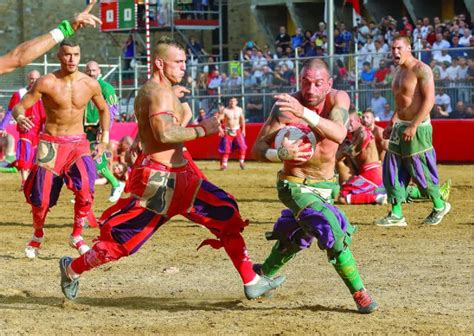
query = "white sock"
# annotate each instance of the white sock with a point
(254, 281)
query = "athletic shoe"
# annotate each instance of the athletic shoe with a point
(365, 303)
(242, 165)
(436, 216)
(78, 243)
(33, 246)
(445, 190)
(116, 192)
(224, 167)
(391, 220)
(263, 286)
(69, 287)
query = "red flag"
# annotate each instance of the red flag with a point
(355, 4)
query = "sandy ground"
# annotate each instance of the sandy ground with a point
(421, 276)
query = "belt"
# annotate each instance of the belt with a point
(304, 180)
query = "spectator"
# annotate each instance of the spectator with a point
(306, 41)
(283, 39)
(439, 113)
(278, 79)
(129, 52)
(377, 104)
(341, 75)
(459, 111)
(267, 77)
(439, 44)
(367, 74)
(379, 54)
(454, 45)
(464, 41)
(214, 81)
(257, 65)
(339, 43)
(297, 39)
(201, 116)
(379, 77)
(424, 27)
(443, 71)
(406, 26)
(387, 112)
(452, 71)
(431, 36)
(442, 57)
(235, 81)
(210, 66)
(311, 50)
(443, 100)
(346, 37)
(254, 106)
(249, 79)
(194, 48)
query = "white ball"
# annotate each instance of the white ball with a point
(296, 132)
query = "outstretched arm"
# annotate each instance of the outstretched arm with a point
(26, 52)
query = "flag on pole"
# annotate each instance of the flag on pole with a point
(356, 14)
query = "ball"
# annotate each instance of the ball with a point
(296, 132)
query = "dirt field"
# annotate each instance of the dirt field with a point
(421, 276)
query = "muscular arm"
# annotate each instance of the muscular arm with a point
(427, 90)
(335, 127)
(102, 107)
(242, 122)
(266, 136)
(28, 51)
(162, 121)
(28, 100)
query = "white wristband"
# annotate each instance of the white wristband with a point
(312, 118)
(272, 155)
(105, 137)
(57, 35)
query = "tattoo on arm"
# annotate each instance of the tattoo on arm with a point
(425, 75)
(339, 114)
(171, 132)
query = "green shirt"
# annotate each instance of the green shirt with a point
(91, 115)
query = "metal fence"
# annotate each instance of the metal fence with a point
(253, 83)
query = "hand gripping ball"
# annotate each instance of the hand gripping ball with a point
(295, 132)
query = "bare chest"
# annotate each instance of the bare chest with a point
(67, 95)
(405, 83)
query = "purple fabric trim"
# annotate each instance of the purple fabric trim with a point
(419, 173)
(6, 119)
(287, 226)
(431, 162)
(205, 207)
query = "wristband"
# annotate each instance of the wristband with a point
(312, 118)
(66, 28)
(57, 35)
(105, 137)
(272, 155)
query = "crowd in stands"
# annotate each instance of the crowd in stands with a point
(268, 69)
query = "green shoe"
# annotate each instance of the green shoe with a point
(391, 220)
(436, 216)
(69, 287)
(263, 286)
(445, 190)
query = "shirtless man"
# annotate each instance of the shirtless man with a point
(28, 51)
(63, 153)
(28, 140)
(364, 184)
(234, 134)
(368, 120)
(306, 188)
(162, 185)
(410, 154)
